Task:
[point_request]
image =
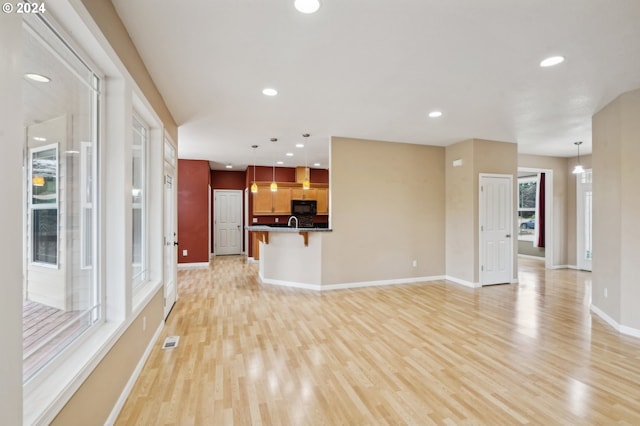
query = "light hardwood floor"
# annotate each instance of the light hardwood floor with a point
(431, 353)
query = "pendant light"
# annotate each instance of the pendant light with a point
(254, 185)
(306, 184)
(274, 185)
(578, 168)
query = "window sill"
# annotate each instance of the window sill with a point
(143, 295)
(48, 391)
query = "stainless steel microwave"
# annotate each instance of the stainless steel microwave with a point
(304, 207)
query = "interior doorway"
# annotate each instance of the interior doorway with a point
(526, 226)
(496, 228)
(584, 197)
(170, 229)
(227, 222)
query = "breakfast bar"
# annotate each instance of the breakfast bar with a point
(290, 256)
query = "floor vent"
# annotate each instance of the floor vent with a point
(171, 342)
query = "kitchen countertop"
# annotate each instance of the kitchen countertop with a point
(267, 228)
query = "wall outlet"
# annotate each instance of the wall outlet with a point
(255, 220)
(185, 253)
(144, 323)
(606, 293)
(277, 219)
(415, 263)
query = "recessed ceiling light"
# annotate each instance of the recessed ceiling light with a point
(269, 91)
(299, 145)
(279, 163)
(228, 166)
(289, 154)
(551, 61)
(316, 164)
(38, 77)
(307, 6)
(435, 114)
(39, 139)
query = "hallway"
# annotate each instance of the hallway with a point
(431, 353)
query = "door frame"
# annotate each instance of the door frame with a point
(549, 234)
(481, 176)
(170, 167)
(580, 263)
(240, 194)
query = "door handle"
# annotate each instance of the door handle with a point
(508, 236)
(175, 243)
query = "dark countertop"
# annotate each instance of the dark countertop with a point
(281, 228)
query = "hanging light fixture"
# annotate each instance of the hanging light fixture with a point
(306, 184)
(274, 185)
(578, 168)
(254, 185)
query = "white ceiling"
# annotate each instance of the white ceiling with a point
(374, 69)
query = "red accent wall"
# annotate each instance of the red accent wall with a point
(193, 210)
(222, 179)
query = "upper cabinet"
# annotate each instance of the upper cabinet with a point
(278, 203)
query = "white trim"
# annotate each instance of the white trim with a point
(462, 282)
(251, 259)
(113, 416)
(549, 212)
(193, 265)
(554, 267)
(623, 329)
(342, 286)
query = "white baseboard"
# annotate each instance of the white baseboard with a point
(342, 286)
(462, 282)
(195, 265)
(252, 260)
(115, 412)
(613, 323)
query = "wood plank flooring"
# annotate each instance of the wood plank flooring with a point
(430, 353)
(45, 330)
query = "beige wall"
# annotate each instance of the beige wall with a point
(11, 138)
(462, 201)
(383, 221)
(616, 208)
(107, 19)
(460, 212)
(96, 397)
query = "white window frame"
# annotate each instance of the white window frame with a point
(142, 129)
(526, 209)
(45, 206)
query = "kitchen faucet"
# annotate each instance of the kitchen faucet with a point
(289, 222)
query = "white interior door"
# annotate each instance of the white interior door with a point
(170, 239)
(584, 203)
(496, 245)
(227, 221)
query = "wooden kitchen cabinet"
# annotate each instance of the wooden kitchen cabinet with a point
(301, 194)
(263, 201)
(266, 202)
(282, 201)
(322, 197)
(278, 203)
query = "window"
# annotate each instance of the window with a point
(139, 203)
(60, 114)
(527, 206)
(43, 206)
